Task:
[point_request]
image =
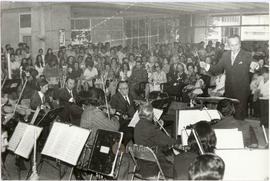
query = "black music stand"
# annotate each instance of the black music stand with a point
(106, 154)
(11, 85)
(49, 117)
(163, 104)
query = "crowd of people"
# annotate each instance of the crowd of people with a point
(82, 79)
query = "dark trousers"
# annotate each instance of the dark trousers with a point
(264, 112)
(128, 131)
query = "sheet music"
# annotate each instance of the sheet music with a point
(135, 119)
(17, 136)
(65, 142)
(188, 117)
(157, 113)
(27, 142)
(224, 138)
(225, 141)
(245, 164)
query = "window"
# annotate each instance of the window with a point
(255, 33)
(219, 28)
(224, 20)
(255, 20)
(25, 21)
(85, 30)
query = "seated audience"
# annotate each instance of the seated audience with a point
(157, 78)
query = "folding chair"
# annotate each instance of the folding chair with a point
(147, 154)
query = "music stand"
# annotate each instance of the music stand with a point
(49, 117)
(11, 85)
(105, 153)
(163, 104)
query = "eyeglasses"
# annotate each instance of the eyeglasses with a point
(123, 88)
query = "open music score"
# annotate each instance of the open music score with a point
(188, 117)
(135, 119)
(65, 142)
(23, 139)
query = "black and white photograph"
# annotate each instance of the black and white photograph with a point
(134, 90)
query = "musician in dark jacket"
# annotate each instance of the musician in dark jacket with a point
(208, 140)
(68, 99)
(237, 65)
(122, 101)
(39, 97)
(147, 133)
(124, 104)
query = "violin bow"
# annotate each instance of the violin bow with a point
(106, 101)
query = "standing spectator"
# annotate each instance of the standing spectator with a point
(39, 66)
(50, 57)
(263, 95)
(139, 75)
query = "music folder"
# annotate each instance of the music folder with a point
(65, 142)
(23, 139)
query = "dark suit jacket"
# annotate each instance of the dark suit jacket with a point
(35, 100)
(237, 75)
(147, 134)
(172, 73)
(119, 103)
(64, 96)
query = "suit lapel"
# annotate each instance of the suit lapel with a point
(237, 58)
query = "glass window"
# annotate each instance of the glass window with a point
(82, 24)
(80, 37)
(25, 21)
(224, 20)
(255, 19)
(255, 33)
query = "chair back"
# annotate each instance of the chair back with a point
(144, 153)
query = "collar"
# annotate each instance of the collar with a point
(41, 94)
(235, 54)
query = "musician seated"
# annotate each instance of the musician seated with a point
(148, 133)
(93, 118)
(208, 140)
(68, 99)
(39, 98)
(207, 167)
(124, 104)
(226, 108)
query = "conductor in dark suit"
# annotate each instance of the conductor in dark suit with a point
(123, 103)
(67, 98)
(237, 65)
